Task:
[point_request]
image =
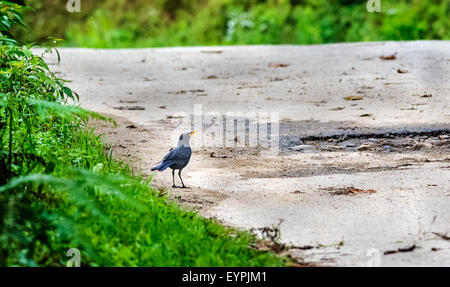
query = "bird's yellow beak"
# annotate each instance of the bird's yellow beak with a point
(192, 133)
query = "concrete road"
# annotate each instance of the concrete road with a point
(361, 171)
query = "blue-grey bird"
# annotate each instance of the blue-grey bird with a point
(177, 158)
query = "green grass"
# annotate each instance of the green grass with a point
(145, 228)
(61, 188)
(96, 204)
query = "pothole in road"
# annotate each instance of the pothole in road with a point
(341, 138)
(240, 133)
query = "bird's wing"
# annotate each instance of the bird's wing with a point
(168, 156)
(174, 154)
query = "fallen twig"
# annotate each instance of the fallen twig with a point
(399, 250)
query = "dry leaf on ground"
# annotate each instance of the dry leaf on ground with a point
(390, 57)
(353, 98)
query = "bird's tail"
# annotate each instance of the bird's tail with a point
(162, 166)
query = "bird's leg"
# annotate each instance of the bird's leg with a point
(173, 178)
(179, 175)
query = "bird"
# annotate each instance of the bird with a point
(177, 158)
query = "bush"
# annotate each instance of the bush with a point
(140, 23)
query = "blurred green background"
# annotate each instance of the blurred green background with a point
(144, 23)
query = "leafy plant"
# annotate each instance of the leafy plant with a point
(10, 14)
(142, 23)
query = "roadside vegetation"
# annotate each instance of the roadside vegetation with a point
(61, 188)
(143, 23)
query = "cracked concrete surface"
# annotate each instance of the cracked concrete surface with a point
(391, 136)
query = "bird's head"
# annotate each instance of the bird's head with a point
(184, 139)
